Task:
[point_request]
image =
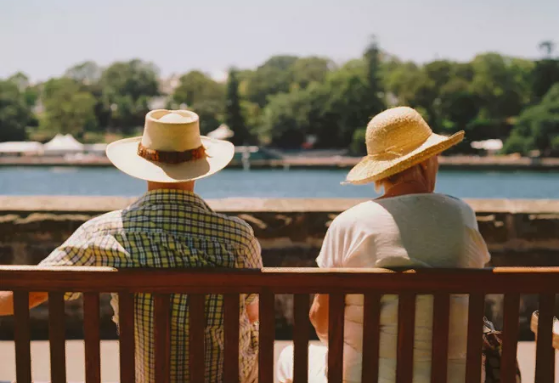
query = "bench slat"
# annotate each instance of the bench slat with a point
(439, 358)
(231, 318)
(91, 338)
(126, 337)
(371, 335)
(197, 335)
(475, 337)
(267, 337)
(336, 337)
(21, 336)
(301, 308)
(510, 338)
(545, 353)
(406, 331)
(57, 338)
(162, 334)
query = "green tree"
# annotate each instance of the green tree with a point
(273, 77)
(233, 113)
(376, 89)
(15, 113)
(537, 127)
(86, 73)
(127, 88)
(203, 95)
(310, 69)
(67, 107)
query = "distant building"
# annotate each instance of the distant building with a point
(23, 148)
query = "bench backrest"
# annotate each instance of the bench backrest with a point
(298, 281)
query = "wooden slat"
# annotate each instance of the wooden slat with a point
(91, 338)
(545, 353)
(439, 357)
(301, 306)
(510, 338)
(57, 338)
(499, 280)
(336, 337)
(162, 334)
(126, 337)
(475, 337)
(197, 335)
(371, 336)
(267, 337)
(21, 336)
(406, 332)
(231, 318)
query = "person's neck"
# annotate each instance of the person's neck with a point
(406, 187)
(186, 186)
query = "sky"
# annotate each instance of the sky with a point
(43, 38)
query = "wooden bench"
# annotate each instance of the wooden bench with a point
(301, 282)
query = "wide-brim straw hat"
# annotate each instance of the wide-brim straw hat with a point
(398, 139)
(171, 149)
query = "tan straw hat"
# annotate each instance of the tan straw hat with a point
(171, 149)
(398, 139)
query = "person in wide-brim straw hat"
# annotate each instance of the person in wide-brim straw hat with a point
(169, 226)
(408, 226)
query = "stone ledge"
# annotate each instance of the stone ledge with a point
(82, 204)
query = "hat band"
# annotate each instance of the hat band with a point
(171, 157)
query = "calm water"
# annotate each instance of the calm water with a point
(271, 183)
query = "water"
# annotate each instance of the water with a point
(273, 183)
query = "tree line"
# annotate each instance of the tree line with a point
(291, 102)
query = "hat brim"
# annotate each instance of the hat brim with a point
(124, 155)
(370, 169)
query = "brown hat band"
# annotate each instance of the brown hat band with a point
(171, 157)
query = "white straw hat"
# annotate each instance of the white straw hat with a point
(171, 149)
(398, 139)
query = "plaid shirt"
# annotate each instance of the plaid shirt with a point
(170, 228)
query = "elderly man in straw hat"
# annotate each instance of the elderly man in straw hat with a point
(169, 226)
(409, 226)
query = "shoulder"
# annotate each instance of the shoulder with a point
(108, 223)
(237, 226)
(355, 215)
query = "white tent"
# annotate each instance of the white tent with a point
(63, 144)
(221, 133)
(488, 145)
(21, 148)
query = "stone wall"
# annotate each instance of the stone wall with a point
(518, 233)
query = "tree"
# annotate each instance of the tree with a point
(127, 88)
(376, 89)
(547, 47)
(310, 69)
(86, 73)
(233, 114)
(273, 77)
(537, 127)
(202, 95)
(14, 112)
(68, 108)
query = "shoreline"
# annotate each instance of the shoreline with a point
(297, 162)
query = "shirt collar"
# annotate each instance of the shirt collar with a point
(172, 197)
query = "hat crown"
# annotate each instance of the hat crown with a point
(171, 131)
(396, 131)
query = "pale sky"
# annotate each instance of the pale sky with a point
(44, 37)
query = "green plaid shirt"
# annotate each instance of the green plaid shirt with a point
(170, 228)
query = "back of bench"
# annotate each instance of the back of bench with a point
(301, 282)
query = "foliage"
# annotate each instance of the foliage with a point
(233, 114)
(68, 108)
(537, 127)
(15, 113)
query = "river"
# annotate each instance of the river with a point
(271, 183)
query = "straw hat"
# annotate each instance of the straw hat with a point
(171, 149)
(398, 139)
